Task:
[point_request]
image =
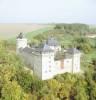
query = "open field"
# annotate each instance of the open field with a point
(11, 30)
(30, 35)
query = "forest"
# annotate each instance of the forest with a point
(16, 83)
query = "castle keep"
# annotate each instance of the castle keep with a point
(48, 59)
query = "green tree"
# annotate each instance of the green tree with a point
(54, 86)
(12, 91)
(80, 90)
(24, 79)
(93, 91)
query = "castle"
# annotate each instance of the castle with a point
(48, 59)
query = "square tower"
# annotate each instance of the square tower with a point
(75, 59)
(44, 62)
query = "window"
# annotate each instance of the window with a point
(49, 70)
(46, 71)
(49, 57)
(67, 61)
(49, 66)
(49, 61)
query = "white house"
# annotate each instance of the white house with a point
(47, 59)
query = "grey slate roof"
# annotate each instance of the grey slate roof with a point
(41, 50)
(52, 42)
(28, 50)
(37, 49)
(60, 56)
(73, 51)
(44, 48)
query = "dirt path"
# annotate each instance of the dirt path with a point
(91, 36)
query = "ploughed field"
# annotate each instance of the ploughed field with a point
(8, 31)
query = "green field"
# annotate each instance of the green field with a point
(30, 35)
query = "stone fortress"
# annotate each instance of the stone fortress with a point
(48, 59)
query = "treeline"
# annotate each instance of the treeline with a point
(61, 30)
(18, 84)
(76, 28)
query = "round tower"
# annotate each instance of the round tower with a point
(21, 42)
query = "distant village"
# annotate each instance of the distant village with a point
(48, 59)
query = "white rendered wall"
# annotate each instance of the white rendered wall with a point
(57, 67)
(47, 65)
(76, 63)
(67, 66)
(21, 43)
(38, 65)
(35, 62)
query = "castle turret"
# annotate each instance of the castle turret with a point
(21, 42)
